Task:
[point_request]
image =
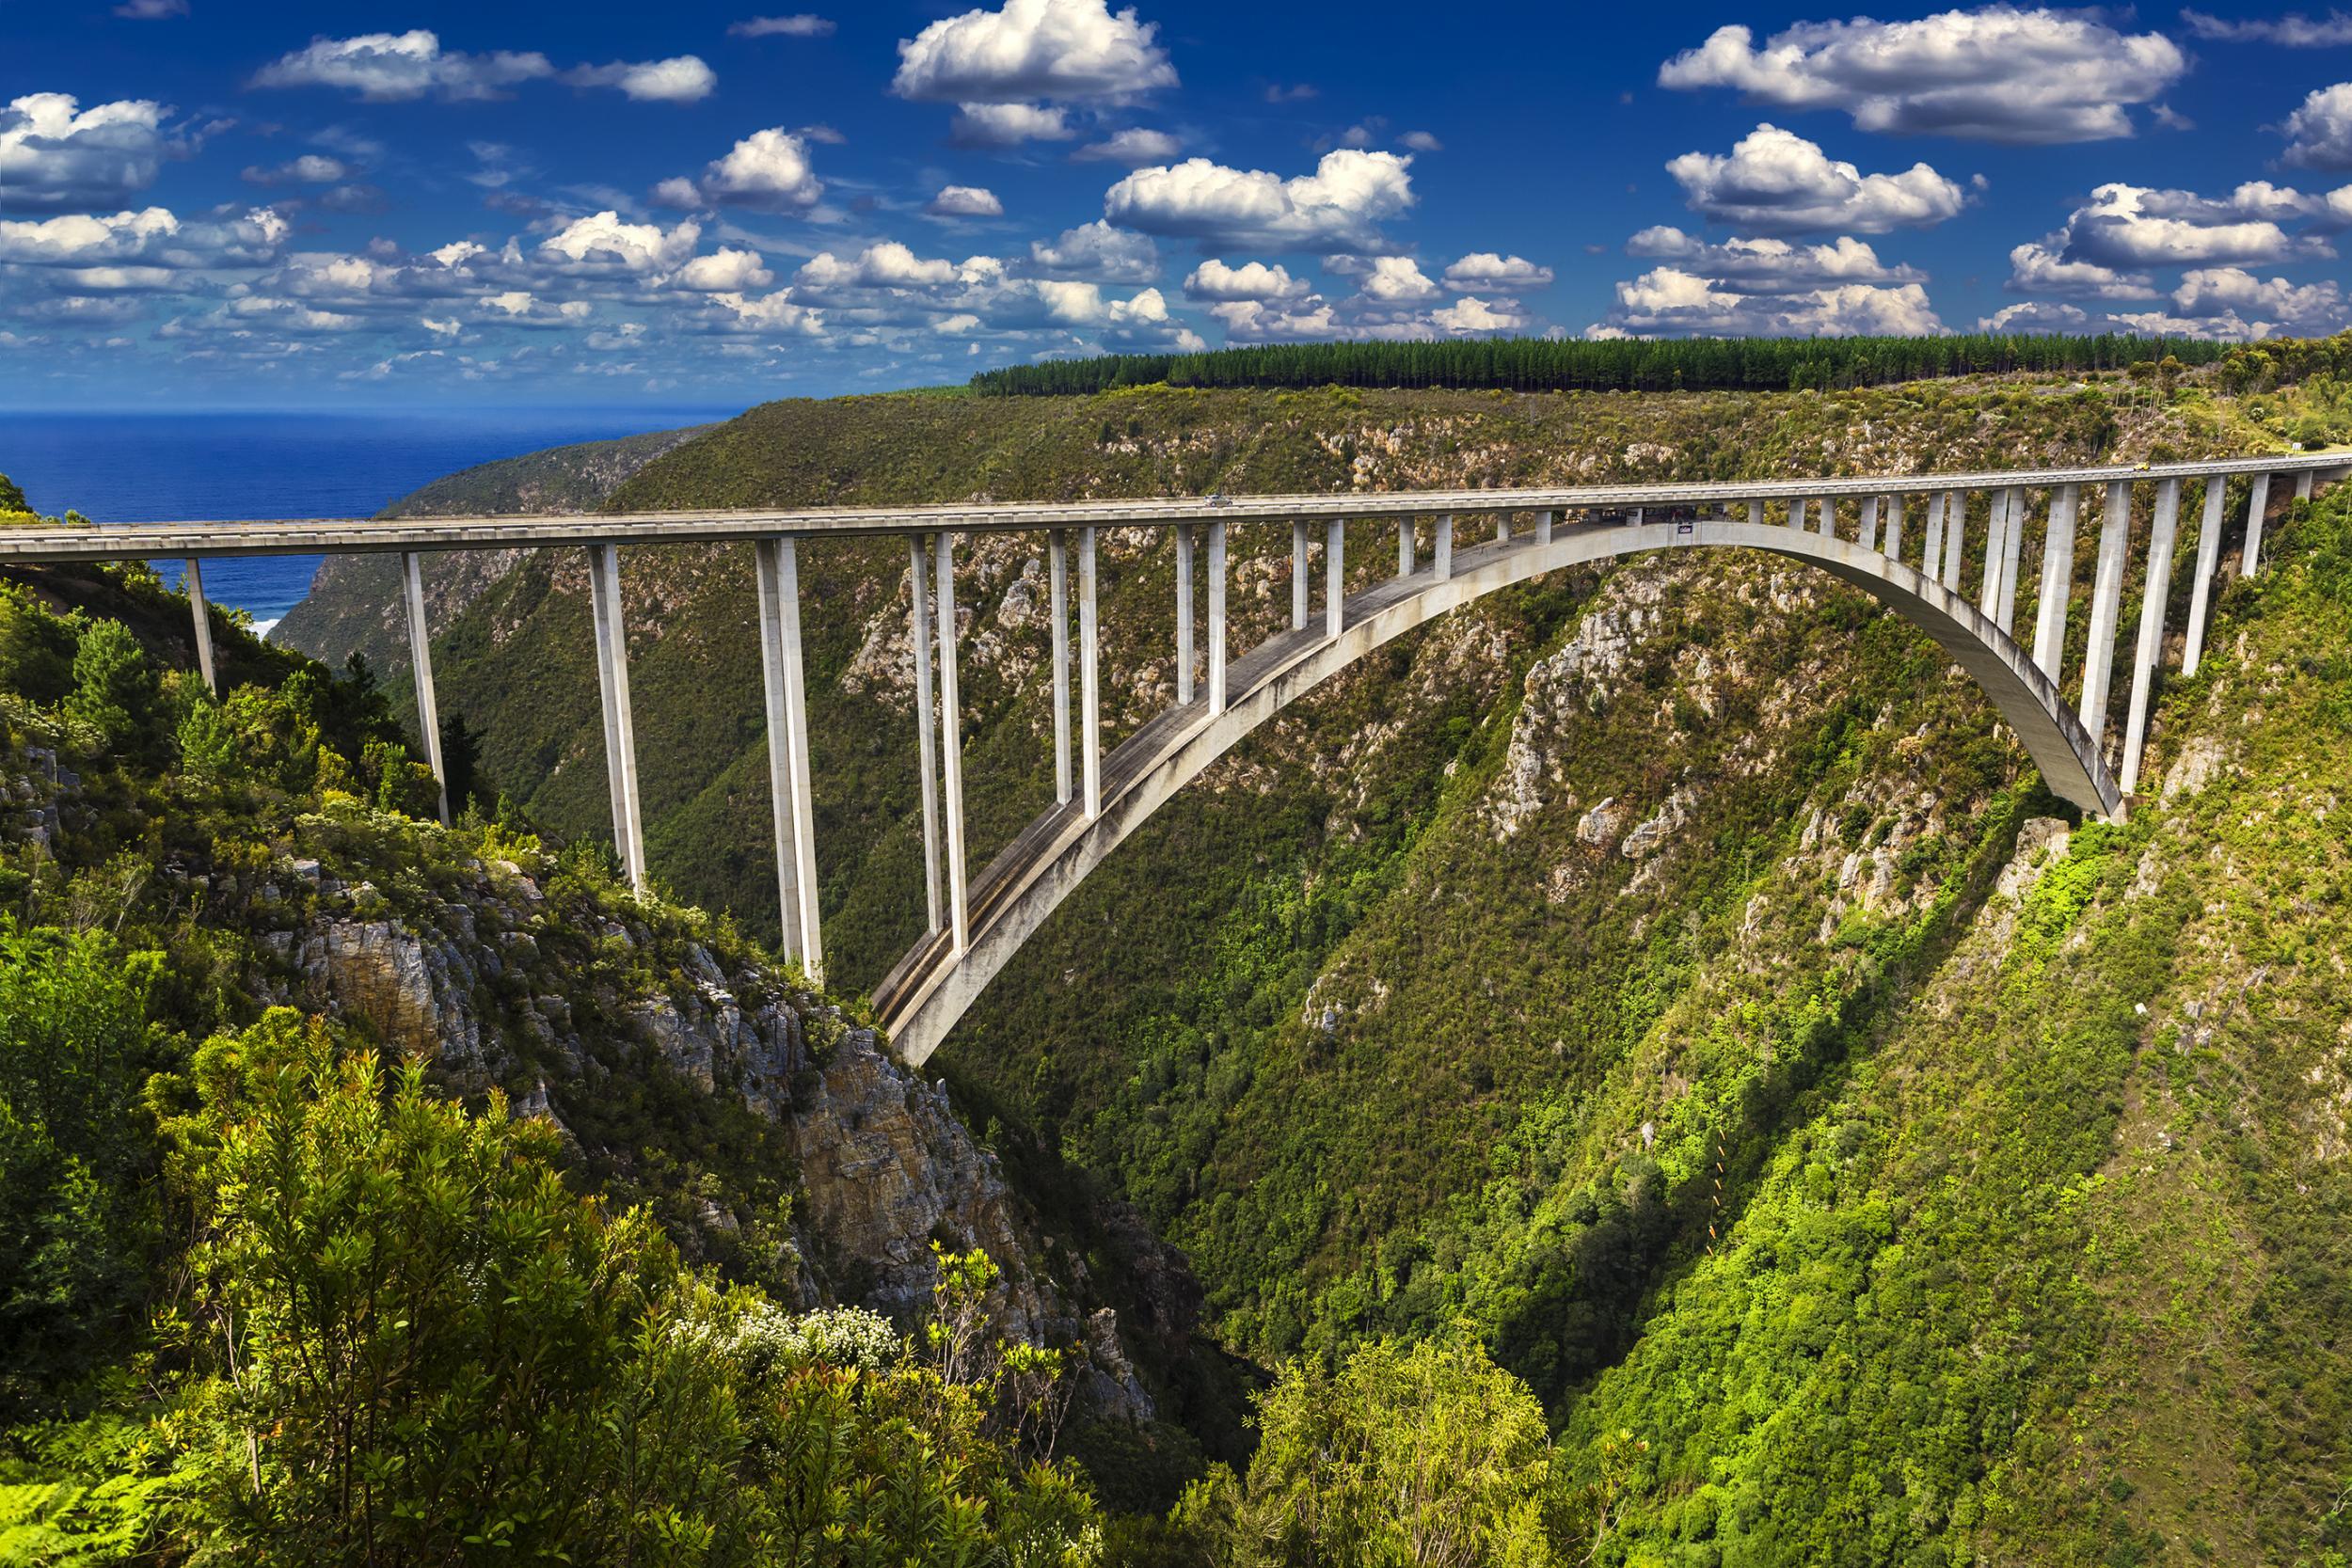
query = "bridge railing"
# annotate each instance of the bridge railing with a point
(1921, 522)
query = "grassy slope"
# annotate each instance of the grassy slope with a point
(1508, 1012)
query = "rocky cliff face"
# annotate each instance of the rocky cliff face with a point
(773, 1135)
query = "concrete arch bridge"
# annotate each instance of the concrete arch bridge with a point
(1903, 539)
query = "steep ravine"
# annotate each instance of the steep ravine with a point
(1674, 969)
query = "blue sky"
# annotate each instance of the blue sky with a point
(204, 204)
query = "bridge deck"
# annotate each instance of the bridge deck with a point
(140, 541)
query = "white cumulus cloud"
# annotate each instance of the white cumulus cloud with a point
(1396, 280)
(1213, 279)
(2319, 132)
(1670, 302)
(1773, 264)
(1997, 73)
(682, 80)
(392, 67)
(768, 169)
(1096, 251)
(1134, 147)
(725, 270)
(1339, 206)
(54, 154)
(986, 125)
(965, 201)
(1776, 182)
(1484, 269)
(1034, 49)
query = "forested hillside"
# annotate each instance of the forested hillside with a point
(1669, 977)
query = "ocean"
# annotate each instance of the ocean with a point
(141, 468)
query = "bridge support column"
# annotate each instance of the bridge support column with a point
(1955, 536)
(2208, 557)
(1299, 576)
(2012, 551)
(1756, 513)
(1502, 528)
(421, 667)
(1995, 546)
(1931, 564)
(777, 570)
(2258, 503)
(1184, 614)
(2106, 604)
(192, 578)
(951, 744)
(1894, 548)
(925, 718)
(1405, 546)
(2303, 484)
(1826, 517)
(620, 738)
(1089, 684)
(1217, 635)
(1057, 561)
(1869, 536)
(2150, 649)
(1334, 577)
(1444, 549)
(1543, 528)
(2057, 581)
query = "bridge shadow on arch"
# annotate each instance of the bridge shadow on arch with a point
(932, 986)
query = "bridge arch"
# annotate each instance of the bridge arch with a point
(933, 987)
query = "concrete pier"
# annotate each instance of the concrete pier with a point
(2057, 581)
(1868, 538)
(2208, 556)
(1299, 575)
(620, 738)
(1334, 577)
(2257, 503)
(2012, 553)
(1405, 546)
(2303, 484)
(1443, 547)
(1183, 615)
(1219, 636)
(1089, 673)
(1543, 527)
(2151, 646)
(1931, 561)
(926, 720)
(1955, 536)
(1058, 569)
(2106, 605)
(1894, 548)
(777, 567)
(951, 744)
(192, 578)
(1995, 551)
(421, 670)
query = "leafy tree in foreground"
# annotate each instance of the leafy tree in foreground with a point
(76, 1225)
(1428, 1455)
(412, 1344)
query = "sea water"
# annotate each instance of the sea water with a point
(151, 467)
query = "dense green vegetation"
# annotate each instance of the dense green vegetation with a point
(1622, 365)
(1808, 1186)
(280, 1289)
